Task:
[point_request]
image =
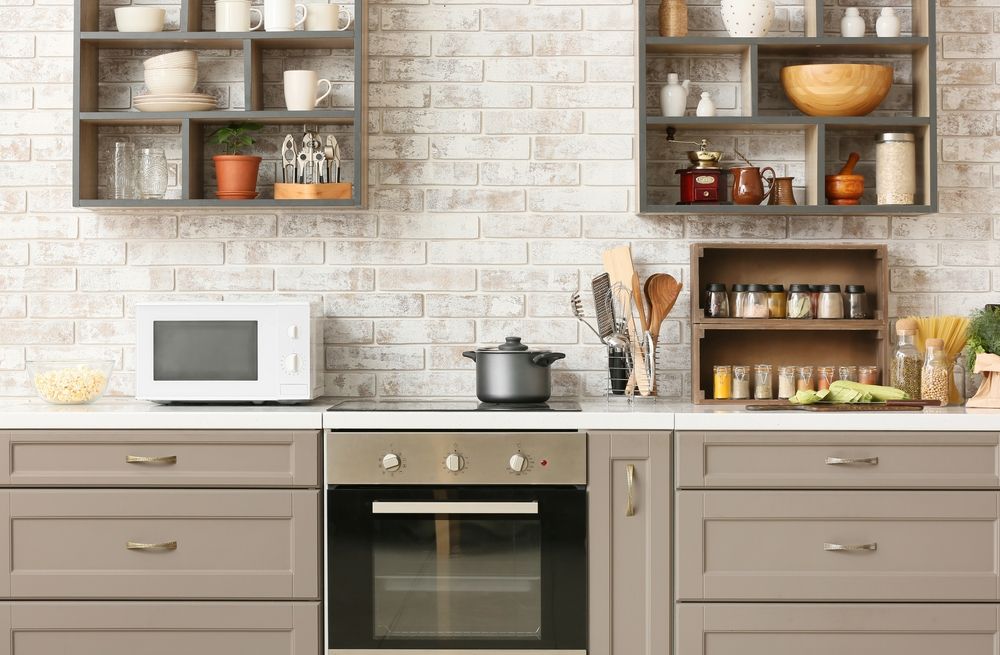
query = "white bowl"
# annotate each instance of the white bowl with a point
(181, 59)
(140, 19)
(171, 80)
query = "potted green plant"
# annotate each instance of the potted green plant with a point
(236, 174)
(984, 355)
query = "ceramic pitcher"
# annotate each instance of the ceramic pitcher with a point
(748, 184)
(674, 95)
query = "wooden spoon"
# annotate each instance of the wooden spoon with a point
(662, 291)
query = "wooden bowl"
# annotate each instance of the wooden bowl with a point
(844, 189)
(836, 89)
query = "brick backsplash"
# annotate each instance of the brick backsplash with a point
(501, 163)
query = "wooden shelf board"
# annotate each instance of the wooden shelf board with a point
(660, 123)
(216, 203)
(797, 324)
(146, 40)
(270, 117)
(788, 45)
(793, 210)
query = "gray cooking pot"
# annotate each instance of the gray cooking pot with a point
(513, 373)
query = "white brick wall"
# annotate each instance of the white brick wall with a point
(501, 159)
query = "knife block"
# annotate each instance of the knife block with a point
(331, 191)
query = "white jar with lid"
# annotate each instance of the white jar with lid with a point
(852, 24)
(895, 168)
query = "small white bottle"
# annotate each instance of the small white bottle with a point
(852, 24)
(887, 23)
(706, 107)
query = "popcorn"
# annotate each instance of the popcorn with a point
(71, 385)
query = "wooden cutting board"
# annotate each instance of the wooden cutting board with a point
(900, 406)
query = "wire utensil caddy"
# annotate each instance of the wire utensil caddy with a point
(632, 352)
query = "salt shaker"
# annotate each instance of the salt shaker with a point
(852, 24)
(706, 107)
(887, 23)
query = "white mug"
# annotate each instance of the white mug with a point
(300, 90)
(279, 15)
(234, 16)
(326, 18)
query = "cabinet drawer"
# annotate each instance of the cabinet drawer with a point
(160, 544)
(783, 629)
(97, 628)
(838, 459)
(260, 458)
(782, 545)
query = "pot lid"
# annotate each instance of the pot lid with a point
(510, 345)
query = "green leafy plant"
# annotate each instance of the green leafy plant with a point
(235, 136)
(984, 334)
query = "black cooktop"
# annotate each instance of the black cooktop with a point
(451, 406)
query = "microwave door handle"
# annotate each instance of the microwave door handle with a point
(446, 507)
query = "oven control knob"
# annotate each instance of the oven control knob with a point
(518, 462)
(454, 462)
(390, 462)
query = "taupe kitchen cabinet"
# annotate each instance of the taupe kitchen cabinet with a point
(629, 495)
(149, 628)
(836, 629)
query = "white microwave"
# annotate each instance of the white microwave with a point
(211, 352)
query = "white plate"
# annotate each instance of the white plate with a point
(174, 105)
(173, 97)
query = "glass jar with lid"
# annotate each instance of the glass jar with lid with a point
(824, 377)
(722, 382)
(755, 305)
(737, 299)
(848, 373)
(814, 290)
(868, 374)
(804, 379)
(762, 382)
(935, 377)
(906, 365)
(741, 382)
(777, 301)
(831, 303)
(786, 381)
(857, 302)
(895, 168)
(799, 301)
(717, 301)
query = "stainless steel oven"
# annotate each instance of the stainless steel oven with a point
(456, 541)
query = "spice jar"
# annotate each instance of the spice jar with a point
(824, 377)
(799, 301)
(741, 382)
(738, 297)
(762, 382)
(849, 373)
(804, 379)
(857, 302)
(935, 377)
(895, 168)
(868, 374)
(814, 290)
(755, 305)
(722, 382)
(777, 301)
(786, 381)
(831, 303)
(904, 373)
(717, 301)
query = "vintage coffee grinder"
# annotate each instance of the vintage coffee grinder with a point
(702, 183)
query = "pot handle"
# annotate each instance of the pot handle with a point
(471, 354)
(545, 359)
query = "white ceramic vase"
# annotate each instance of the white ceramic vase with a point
(887, 24)
(674, 95)
(852, 25)
(706, 106)
(747, 17)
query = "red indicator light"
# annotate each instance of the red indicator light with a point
(544, 462)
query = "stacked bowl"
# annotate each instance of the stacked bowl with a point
(171, 80)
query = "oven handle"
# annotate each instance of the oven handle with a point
(446, 507)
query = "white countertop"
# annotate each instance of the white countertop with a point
(596, 414)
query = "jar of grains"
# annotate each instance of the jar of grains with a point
(804, 379)
(906, 364)
(777, 302)
(756, 305)
(799, 301)
(895, 168)
(722, 382)
(935, 378)
(786, 381)
(762, 382)
(741, 382)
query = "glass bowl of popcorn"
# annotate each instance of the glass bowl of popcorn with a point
(70, 382)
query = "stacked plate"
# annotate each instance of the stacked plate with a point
(171, 79)
(175, 102)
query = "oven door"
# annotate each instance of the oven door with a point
(432, 568)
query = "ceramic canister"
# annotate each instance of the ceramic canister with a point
(747, 17)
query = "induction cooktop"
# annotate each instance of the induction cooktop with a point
(451, 406)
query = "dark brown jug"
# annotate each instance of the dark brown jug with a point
(781, 193)
(748, 184)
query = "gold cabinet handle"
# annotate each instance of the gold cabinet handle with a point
(630, 485)
(850, 548)
(166, 545)
(155, 459)
(841, 461)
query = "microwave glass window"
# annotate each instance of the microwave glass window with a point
(204, 350)
(442, 577)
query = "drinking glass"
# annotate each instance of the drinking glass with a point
(122, 182)
(152, 173)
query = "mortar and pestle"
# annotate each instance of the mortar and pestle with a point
(845, 188)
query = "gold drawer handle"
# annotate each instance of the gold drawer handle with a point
(851, 548)
(166, 545)
(156, 459)
(630, 483)
(841, 461)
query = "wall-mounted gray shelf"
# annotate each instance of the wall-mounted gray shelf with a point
(815, 45)
(253, 46)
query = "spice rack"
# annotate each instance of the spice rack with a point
(778, 342)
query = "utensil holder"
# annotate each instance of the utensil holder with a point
(331, 191)
(623, 356)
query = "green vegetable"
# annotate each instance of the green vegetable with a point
(844, 390)
(984, 334)
(808, 396)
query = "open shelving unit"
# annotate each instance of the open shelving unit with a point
(780, 342)
(761, 110)
(191, 128)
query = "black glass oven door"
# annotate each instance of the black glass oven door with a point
(447, 568)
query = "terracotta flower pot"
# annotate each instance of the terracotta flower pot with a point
(237, 174)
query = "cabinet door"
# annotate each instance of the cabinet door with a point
(100, 628)
(629, 526)
(146, 543)
(836, 629)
